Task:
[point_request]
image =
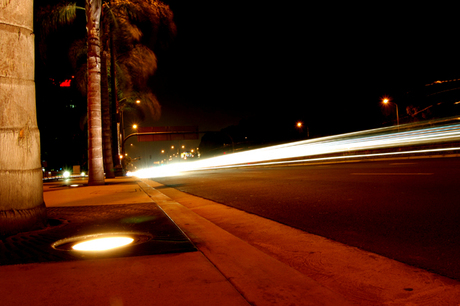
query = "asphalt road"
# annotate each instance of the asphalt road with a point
(408, 210)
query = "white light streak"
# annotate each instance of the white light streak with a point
(382, 138)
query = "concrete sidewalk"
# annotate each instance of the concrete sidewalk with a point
(362, 277)
(217, 269)
(225, 257)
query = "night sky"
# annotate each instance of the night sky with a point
(328, 65)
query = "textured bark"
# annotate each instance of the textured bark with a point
(114, 99)
(106, 122)
(21, 187)
(106, 119)
(95, 157)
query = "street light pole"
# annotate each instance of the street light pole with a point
(386, 101)
(121, 127)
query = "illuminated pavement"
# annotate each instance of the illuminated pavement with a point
(75, 209)
(240, 258)
(161, 233)
(165, 269)
(362, 277)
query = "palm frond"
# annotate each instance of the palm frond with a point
(81, 78)
(52, 18)
(153, 18)
(149, 104)
(77, 53)
(140, 63)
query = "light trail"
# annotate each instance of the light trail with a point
(446, 130)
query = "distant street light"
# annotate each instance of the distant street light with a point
(299, 125)
(386, 101)
(138, 101)
(134, 126)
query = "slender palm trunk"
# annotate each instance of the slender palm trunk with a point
(95, 159)
(106, 118)
(21, 188)
(114, 99)
(106, 122)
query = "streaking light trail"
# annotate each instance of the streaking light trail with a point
(446, 130)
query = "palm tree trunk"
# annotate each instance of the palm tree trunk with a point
(21, 188)
(114, 99)
(95, 159)
(106, 122)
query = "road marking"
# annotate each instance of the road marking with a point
(391, 173)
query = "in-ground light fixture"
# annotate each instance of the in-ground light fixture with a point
(102, 242)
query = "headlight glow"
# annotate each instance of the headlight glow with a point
(382, 138)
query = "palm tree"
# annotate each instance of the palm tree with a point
(21, 207)
(95, 158)
(135, 62)
(137, 29)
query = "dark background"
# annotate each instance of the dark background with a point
(329, 65)
(263, 67)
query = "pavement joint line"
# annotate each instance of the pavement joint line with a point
(260, 278)
(153, 193)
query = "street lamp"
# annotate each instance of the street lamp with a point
(299, 125)
(386, 101)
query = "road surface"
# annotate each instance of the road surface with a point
(408, 210)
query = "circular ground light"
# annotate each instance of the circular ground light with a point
(96, 243)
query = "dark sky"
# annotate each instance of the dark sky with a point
(326, 64)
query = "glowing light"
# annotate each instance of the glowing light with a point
(66, 83)
(66, 174)
(102, 244)
(312, 149)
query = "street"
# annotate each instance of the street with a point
(405, 209)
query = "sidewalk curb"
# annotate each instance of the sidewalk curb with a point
(261, 279)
